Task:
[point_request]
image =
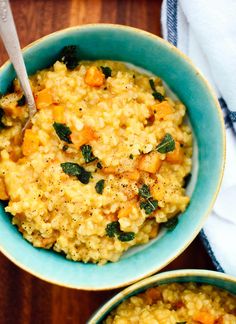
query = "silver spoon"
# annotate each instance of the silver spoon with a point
(10, 39)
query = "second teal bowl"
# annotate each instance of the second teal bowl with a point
(219, 280)
(150, 52)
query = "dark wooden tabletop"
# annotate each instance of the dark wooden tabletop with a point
(23, 298)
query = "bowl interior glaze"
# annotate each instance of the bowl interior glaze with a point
(147, 51)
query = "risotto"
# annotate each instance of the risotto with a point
(187, 303)
(103, 165)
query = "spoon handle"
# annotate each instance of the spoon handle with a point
(11, 42)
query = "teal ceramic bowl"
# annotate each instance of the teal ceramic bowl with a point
(217, 279)
(114, 42)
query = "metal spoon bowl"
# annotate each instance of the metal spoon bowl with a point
(10, 40)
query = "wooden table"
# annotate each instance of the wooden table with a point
(24, 298)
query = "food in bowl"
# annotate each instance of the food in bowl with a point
(185, 303)
(104, 163)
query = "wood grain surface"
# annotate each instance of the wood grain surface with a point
(23, 298)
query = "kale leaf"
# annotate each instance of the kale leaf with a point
(74, 169)
(99, 165)
(167, 144)
(63, 132)
(157, 95)
(113, 229)
(144, 191)
(87, 153)
(126, 236)
(106, 71)
(99, 187)
(1, 115)
(187, 179)
(21, 101)
(149, 206)
(68, 56)
(171, 223)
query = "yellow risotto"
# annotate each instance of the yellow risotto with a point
(187, 303)
(103, 165)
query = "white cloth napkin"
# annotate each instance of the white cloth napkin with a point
(206, 32)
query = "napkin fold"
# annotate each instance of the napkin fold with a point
(206, 32)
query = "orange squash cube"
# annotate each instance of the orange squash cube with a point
(132, 175)
(30, 142)
(58, 114)
(204, 317)
(84, 136)
(109, 170)
(162, 109)
(43, 99)
(152, 295)
(94, 77)
(177, 156)
(124, 212)
(149, 162)
(3, 190)
(158, 191)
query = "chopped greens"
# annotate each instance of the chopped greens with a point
(187, 179)
(63, 132)
(1, 115)
(99, 165)
(167, 144)
(65, 147)
(84, 177)
(126, 236)
(99, 187)
(21, 101)
(149, 206)
(68, 56)
(113, 229)
(87, 153)
(74, 169)
(106, 71)
(152, 85)
(144, 191)
(131, 156)
(157, 95)
(171, 223)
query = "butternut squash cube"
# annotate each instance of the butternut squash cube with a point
(204, 317)
(124, 212)
(43, 99)
(150, 162)
(132, 175)
(177, 156)
(58, 114)
(84, 136)
(162, 109)
(94, 77)
(109, 170)
(158, 191)
(30, 142)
